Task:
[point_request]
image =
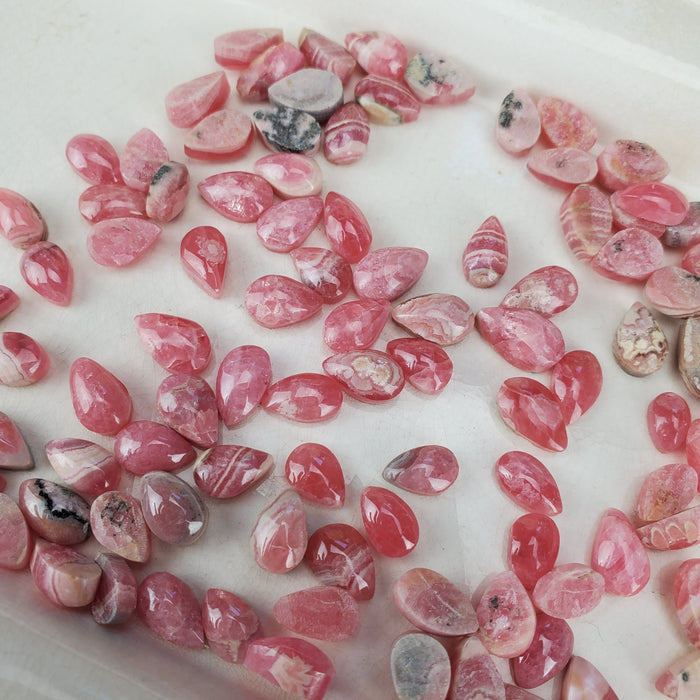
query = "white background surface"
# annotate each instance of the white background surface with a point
(73, 67)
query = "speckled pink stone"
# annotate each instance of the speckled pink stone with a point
(221, 135)
(548, 290)
(527, 482)
(239, 196)
(630, 255)
(324, 271)
(115, 600)
(167, 193)
(111, 201)
(377, 52)
(277, 301)
(118, 524)
(15, 537)
(387, 273)
(625, 162)
(286, 225)
(120, 242)
(189, 102)
(569, 590)
(444, 319)
(673, 291)
(518, 126)
(143, 154)
(355, 325)
(565, 124)
(666, 491)
(229, 624)
(47, 270)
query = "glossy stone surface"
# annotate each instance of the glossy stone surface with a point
(340, 556)
(9, 301)
(167, 605)
(277, 301)
(225, 471)
(527, 482)
(290, 174)
(242, 379)
(426, 366)
(692, 445)
(93, 158)
(444, 319)
(655, 202)
(639, 346)
(438, 80)
(531, 410)
(691, 260)
(485, 258)
(474, 673)
(324, 271)
(688, 357)
(518, 126)
(14, 453)
(390, 524)
(563, 167)
(279, 537)
(386, 100)
(569, 590)
(20, 221)
(187, 404)
(625, 162)
(668, 419)
(239, 48)
(387, 273)
(666, 491)
(426, 470)
(117, 522)
(288, 130)
(22, 360)
(65, 576)
(623, 219)
(316, 91)
(221, 135)
(355, 325)
(548, 654)
(347, 229)
(420, 667)
(120, 242)
(686, 598)
(15, 537)
(229, 624)
(314, 472)
(143, 154)
(370, 376)
(286, 225)
(346, 135)
(236, 195)
(378, 52)
(101, 402)
(676, 531)
(115, 599)
(326, 54)
(203, 254)
(630, 255)
(548, 291)
(586, 220)
(274, 63)
(144, 446)
(189, 102)
(47, 270)
(306, 397)
(583, 680)
(685, 234)
(434, 604)
(533, 547)
(565, 124)
(576, 380)
(673, 291)
(111, 201)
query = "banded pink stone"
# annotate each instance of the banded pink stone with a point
(122, 241)
(242, 379)
(15, 537)
(438, 80)
(420, 667)
(379, 53)
(326, 54)
(518, 126)
(527, 482)
(20, 221)
(355, 325)
(229, 624)
(485, 258)
(682, 678)
(391, 526)
(277, 301)
(688, 358)
(685, 234)
(625, 162)
(14, 453)
(314, 472)
(347, 229)
(444, 319)
(387, 273)
(548, 291)
(654, 201)
(115, 599)
(221, 135)
(676, 531)
(666, 491)
(111, 201)
(117, 522)
(203, 253)
(668, 419)
(386, 100)
(583, 680)
(274, 63)
(569, 590)
(686, 598)
(189, 102)
(307, 397)
(673, 291)
(144, 446)
(640, 346)
(290, 174)
(426, 470)
(93, 158)
(563, 167)
(225, 471)
(630, 255)
(565, 124)
(474, 673)
(577, 380)
(22, 360)
(370, 376)
(691, 260)
(324, 271)
(586, 220)
(168, 192)
(237, 195)
(47, 270)
(426, 366)
(143, 154)
(533, 547)
(9, 301)
(346, 135)
(239, 48)
(286, 225)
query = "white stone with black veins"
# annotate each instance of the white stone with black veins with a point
(311, 90)
(288, 130)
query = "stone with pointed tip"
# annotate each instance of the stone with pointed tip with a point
(229, 624)
(14, 452)
(676, 531)
(654, 201)
(307, 397)
(189, 102)
(527, 482)
(387, 273)
(117, 522)
(9, 301)
(548, 290)
(625, 162)
(85, 466)
(355, 325)
(426, 470)
(20, 221)
(168, 192)
(668, 419)
(143, 154)
(290, 174)
(577, 380)
(666, 491)
(518, 126)
(221, 135)
(565, 124)
(15, 536)
(444, 319)
(47, 270)
(569, 590)
(673, 291)
(474, 673)
(583, 680)
(379, 53)
(369, 376)
(239, 196)
(438, 80)
(586, 220)
(533, 547)
(324, 271)
(386, 100)
(225, 471)
(426, 366)
(391, 526)
(326, 54)
(286, 225)
(688, 357)
(277, 61)
(120, 242)
(239, 48)
(563, 167)
(640, 345)
(686, 598)
(278, 301)
(346, 135)
(347, 229)
(115, 599)
(203, 253)
(681, 679)
(314, 472)
(111, 201)
(22, 360)
(93, 158)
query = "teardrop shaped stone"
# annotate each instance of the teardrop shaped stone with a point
(586, 220)
(654, 201)
(324, 53)
(485, 258)
(111, 201)
(239, 48)
(640, 346)
(190, 102)
(237, 195)
(347, 229)
(666, 491)
(369, 376)
(9, 301)
(23, 361)
(203, 253)
(229, 623)
(224, 134)
(420, 667)
(569, 590)
(426, 366)
(689, 354)
(286, 225)
(93, 158)
(306, 398)
(674, 291)
(225, 471)
(324, 271)
(548, 290)
(518, 126)
(120, 242)
(115, 600)
(143, 154)
(577, 380)
(630, 255)
(474, 673)
(387, 273)
(291, 175)
(668, 419)
(686, 598)
(583, 680)
(355, 325)
(426, 470)
(533, 547)
(15, 537)
(346, 134)
(117, 522)
(242, 379)
(625, 162)
(444, 319)
(144, 446)
(20, 221)
(390, 524)
(527, 482)
(47, 270)
(565, 124)
(278, 60)
(277, 301)
(379, 53)
(314, 472)
(14, 453)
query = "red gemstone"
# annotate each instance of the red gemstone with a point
(576, 381)
(369, 376)
(526, 481)
(22, 360)
(391, 526)
(239, 48)
(569, 590)
(548, 290)
(188, 103)
(46, 269)
(94, 159)
(225, 471)
(276, 301)
(426, 366)
(111, 201)
(143, 154)
(203, 253)
(242, 379)
(20, 221)
(386, 273)
(623, 219)
(533, 547)
(145, 446)
(229, 623)
(305, 397)
(565, 124)
(315, 474)
(238, 196)
(347, 229)
(444, 319)
(324, 271)
(426, 470)
(9, 301)
(583, 680)
(120, 242)
(355, 325)
(285, 226)
(655, 202)
(666, 491)
(668, 420)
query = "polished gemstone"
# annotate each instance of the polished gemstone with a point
(239, 48)
(548, 290)
(691, 260)
(577, 380)
(630, 255)
(221, 135)
(685, 234)
(288, 130)
(370, 376)
(434, 604)
(527, 482)
(117, 522)
(277, 301)
(286, 225)
(688, 355)
(274, 63)
(279, 537)
(324, 271)
(378, 53)
(314, 472)
(586, 220)
(143, 154)
(386, 100)
(426, 366)
(22, 360)
(390, 524)
(16, 541)
(355, 325)
(426, 470)
(565, 124)
(533, 547)
(111, 201)
(676, 531)
(14, 453)
(242, 379)
(290, 174)
(144, 446)
(518, 126)
(20, 221)
(326, 54)
(237, 195)
(167, 605)
(668, 419)
(686, 598)
(674, 291)
(485, 258)
(9, 301)
(666, 491)
(692, 445)
(120, 242)
(569, 590)
(563, 167)
(229, 624)
(474, 673)
(625, 162)
(438, 80)
(188, 103)
(226, 471)
(444, 319)
(655, 202)
(168, 192)
(640, 346)
(623, 219)
(347, 229)
(346, 135)
(583, 680)
(47, 270)
(387, 273)
(420, 667)
(115, 599)
(93, 158)
(316, 91)
(305, 398)
(203, 253)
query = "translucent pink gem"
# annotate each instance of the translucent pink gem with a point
(286, 225)
(527, 482)
(346, 134)
(143, 154)
(101, 402)
(668, 419)
(190, 102)
(506, 616)
(117, 522)
(379, 53)
(619, 555)
(84, 465)
(9, 301)
(564, 124)
(523, 338)
(14, 453)
(426, 470)
(238, 196)
(438, 80)
(340, 556)
(586, 220)
(386, 273)
(386, 100)
(577, 380)
(167, 605)
(111, 201)
(569, 590)
(279, 536)
(324, 271)
(347, 229)
(623, 219)
(120, 242)
(654, 201)
(673, 291)
(685, 234)
(666, 491)
(15, 537)
(225, 471)
(676, 531)
(224, 134)
(168, 192)
(145, 446)
(326, 54)
(485, 258)
(533, 547)
(686, 598)
(420, 667)
(630, 255)
(434, 604)
(203, 253)
(355, 325)
(640, 346)
(187, 404)
(22, 360)
(277, 301)
(563, 167)
(239, 48)
(94, 159)
(390, 524)
(426, 366)
(369, 376)
(305, 398)
(292, 664)
(327, 613)
(518, 126)
(548, 290)
(290, 174)
(47, 270)
(583, 680)
(625, 162)
(115, 599)
(273, 64)
(229, 624)
(444, 319)
(20, 221)
(314, 472)
(474, 673)
(691, 260)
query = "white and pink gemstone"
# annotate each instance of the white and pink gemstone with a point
(569, 590)
(444, 319)
(654, 201)
(286, 225)
(474, 673)
(563, 167)
(239, 48)
(676, 531)
(143, 154)
(93, 158)
(386, 273)
(355, 325)
(673, 291)
(111, 201)
(668, 420)
(168, 192)
(277, 301)
(22, 360)
(203, 253)
(326, 54)
(548, 291)
(426, 366)
(386, 100)
(420, 667)
(221, 135)
(518, 126)
(229, 624)
(370, 376)
(14, 452)
(15, 536)
(47, 270)
(324, 271)
(485, 258)
(686, 598)
(290, 174)
(565, 124)
(583, 680)
(346, 134)
(630, 255)
(188, 103)
(625, 162)
(115, 599)
(426, 470)
(640, 345)
(307, 397)
(681, 679)
(438, 80)
(237, 195)
(20, 221)
(379, 53)
(527, 482)
(117, 522)
(9, 301)
(586, 220)
(225, 471)
(666, 491)
(122, 241)
(274, 63)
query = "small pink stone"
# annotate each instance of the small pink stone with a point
(117, 522)
(623, 219)
(101, 402)
(630, 255)
(506, 616)
(370, 376)
(434, 604)
(355, 325)
(564, 124)
(666, 491)
(577, 380)
(14, 453)
(347, 229)
(115, 599)
(640, 346)
(326, 54)
(176, 344)
(221, 135)
(655, 202)
(15, 537)
(143, 154)
(523, 338)
(47, 270)
(533, 547)
(625, 162)
(379, 53)
(290, 174)
(277, 301)
(340, 556)
(9, 301)
(586, 220)
(305, 398)
(691, 260)
(676, 531)
(111, 201)
(548, 291)
(279, 537)
(167, 605)
(225, 471)
(168, 192)
(190, 102)
(20, 221)
(686, 598)
(444, 319)
(387, 101)
(229, 624)
(390, 524)
(668, 419)
(426, 470)
(120, 242)
(474, 673)
(673, 291)
(518, 127)
(286, 225)
(583, 680)
(386, 273)
(527, 482)
(426, 366)
(238, 196)
(22, 360)
(563, 167)
(239, 48)
(94, 159)
(682, 678)
(83, 465)
(569, 590)
(324, 271)
(420, 667)
(438, 80)
(203, 253)
(346, 135)
(692, 445)
(314, 472)
(327, 613)
(273, 64)
(485, 258)
(685, 234)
